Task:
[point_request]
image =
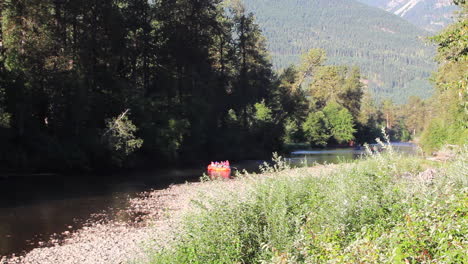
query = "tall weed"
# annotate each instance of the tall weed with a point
(375, 211)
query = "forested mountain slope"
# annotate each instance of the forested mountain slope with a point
(432, 15)
(391, 52)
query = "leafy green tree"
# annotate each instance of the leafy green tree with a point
(293, 132)
(309, 62)
(326, 86)
(369, 113)
(262, 112)
(452, 83)
(195, 75)
(340, 121)
(415, 115)
(389, 112)
(255, 75)
(317, 129)
(353, 91)
(369, 121)
(340, 84)
(290, 105)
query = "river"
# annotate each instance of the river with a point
(36, 208)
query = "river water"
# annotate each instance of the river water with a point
(36, 208)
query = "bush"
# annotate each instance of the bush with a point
(316, 129)
(440, 132)
(120, 138)
(372, 211)
(340, 121)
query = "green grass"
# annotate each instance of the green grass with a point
(370, 211)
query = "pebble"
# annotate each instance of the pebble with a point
(115, 241)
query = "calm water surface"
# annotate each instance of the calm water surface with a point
(36, 207)
(308, 157)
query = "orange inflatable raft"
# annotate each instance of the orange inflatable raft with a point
(213, 168)
(219, 166)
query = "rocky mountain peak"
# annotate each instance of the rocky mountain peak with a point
(432, 15)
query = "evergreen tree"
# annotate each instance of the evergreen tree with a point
(181, 68)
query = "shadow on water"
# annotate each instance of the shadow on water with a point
(35, 208)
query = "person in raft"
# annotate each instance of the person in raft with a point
(222, 164)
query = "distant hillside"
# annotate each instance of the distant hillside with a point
(432, 15)
(391, 51)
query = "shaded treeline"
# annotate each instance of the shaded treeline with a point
(120, 83)
(84, 84)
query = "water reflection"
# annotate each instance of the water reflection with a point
(314, 156)
(309, 157)
(32, 209)
(219, 174)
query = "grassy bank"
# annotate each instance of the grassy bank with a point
(385, 209)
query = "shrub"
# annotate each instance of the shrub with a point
(120, 138)
(374, 211)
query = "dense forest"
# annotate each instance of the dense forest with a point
(87, 85)
(392, 53)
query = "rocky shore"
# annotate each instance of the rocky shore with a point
(150, 218)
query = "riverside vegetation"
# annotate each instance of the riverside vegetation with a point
(387, 208)
(119, 83)
(70, 100)
(113, 84)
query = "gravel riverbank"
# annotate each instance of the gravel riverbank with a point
(154, 218)
(154, 215)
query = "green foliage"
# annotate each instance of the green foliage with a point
(293, 132)
(310, 61)
(182, 67)
(391, 52)
(452, 42)
(120, 138)
(416, 113)
(262, 112)
(340, 122)
(450, 123)
(4, 120)
(171, 137)
(441, 132)
(312, 58)
(361, 212)
(326, 85)
(340, 84)
(403, 132)
(4, 117)
(335, 98)
(317, 129)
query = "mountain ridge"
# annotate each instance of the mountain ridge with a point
(391, 52)
(431, 15)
